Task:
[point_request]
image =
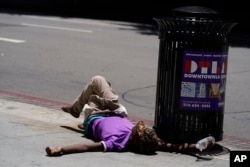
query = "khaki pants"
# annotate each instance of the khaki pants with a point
(98, 94)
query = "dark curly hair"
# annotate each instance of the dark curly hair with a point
(143, 140)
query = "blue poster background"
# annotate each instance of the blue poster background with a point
(203, 80)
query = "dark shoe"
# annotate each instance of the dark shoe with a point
(71, 111)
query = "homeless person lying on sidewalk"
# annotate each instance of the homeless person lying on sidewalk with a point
(106, 123)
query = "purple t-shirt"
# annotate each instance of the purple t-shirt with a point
(113, 132)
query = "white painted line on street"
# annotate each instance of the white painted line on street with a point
(12, 40)
(116, 24)
(57, 28)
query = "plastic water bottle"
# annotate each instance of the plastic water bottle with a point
(202, 144)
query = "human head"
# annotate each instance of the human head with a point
(143, 140)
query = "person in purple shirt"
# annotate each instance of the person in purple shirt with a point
(106, 123)
(118, 134)
(115, 135)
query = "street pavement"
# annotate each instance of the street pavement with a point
(29, 124)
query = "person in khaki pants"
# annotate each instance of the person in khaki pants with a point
(99, 96)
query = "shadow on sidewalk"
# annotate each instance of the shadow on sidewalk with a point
(73, 129)
(217, 150)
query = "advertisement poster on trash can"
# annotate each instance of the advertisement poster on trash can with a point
(203, 80)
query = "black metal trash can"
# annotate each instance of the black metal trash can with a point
(192, 72)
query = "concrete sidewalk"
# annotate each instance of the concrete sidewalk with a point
(26, 129)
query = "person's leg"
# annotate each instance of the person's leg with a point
(98, 94)
(104, 96)
(76, 108)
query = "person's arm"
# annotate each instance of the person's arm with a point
(172, 147)
(186, 147)
(75, 148)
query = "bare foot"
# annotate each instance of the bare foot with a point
(80, 126)
(57, 151)
(71, 111)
